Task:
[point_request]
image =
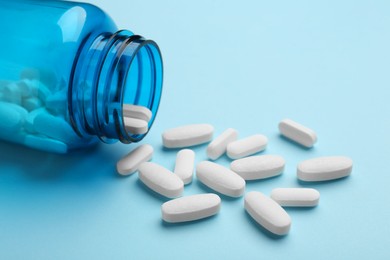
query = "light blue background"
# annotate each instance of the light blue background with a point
(241, 64)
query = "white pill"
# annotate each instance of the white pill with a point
(135, 111)
(29, 120)
(188, 135)
(324, 168)
(130, 163)
(218, 146)
(15, 137)
(220, 179)
(160, 179)
(24, 87)
(45, 144)
(10, 119)
(135, 126)
(12, 94)
(31, 103)
(38, 89)
(21, 110)
(57, 102)
(184, 167)
(258, 167)
(267, 213)
(247, 146)
(191, 208)
(297, 132)
(296, 197)
(55, 127)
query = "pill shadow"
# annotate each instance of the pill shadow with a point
(209, 190)
(265, 180)
(168, 225)
(262, 229)
(175, 150)
(299, 209)
(320, 183)
(295, 143)
(152, 193)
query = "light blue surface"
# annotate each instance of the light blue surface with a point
(245, 65)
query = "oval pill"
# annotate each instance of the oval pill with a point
(184, 167)
(220, 179)
(267, 213)
(218, 146)
(29, 120)
(130, 163)
(324, 168)
(297, 133)
(258, 167)
(296, 197)
(55, 127)
(160, 179)
(139, 112)
(191, 208)
(135, 126)
(45, 143)
(247, 146)
(188, 135)
(10, 119)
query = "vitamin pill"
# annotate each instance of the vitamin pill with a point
(130, 163)
(188, 135)
(31, 103)
(21, 110)
(296, 197)
(12, 94)
(267, 213)
(218, 146)
(220, 179)
(139, 112)
(38, 89)
(191, 208)
(247, 146)
(11, 120)
(55, 127)
(135, 126)
(160, 180)
(45, 144)
(297, 132)
(29, 120)
(324, 168)
(184, 167)
(24, 88)
(57, 101)
(15, 137)
(258, 167)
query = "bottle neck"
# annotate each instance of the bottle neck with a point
(112, 70)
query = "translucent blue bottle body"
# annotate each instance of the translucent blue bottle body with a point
(65, 73)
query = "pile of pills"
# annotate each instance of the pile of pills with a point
(33, 113)
(267, 211)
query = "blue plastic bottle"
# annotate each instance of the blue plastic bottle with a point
(66, 71)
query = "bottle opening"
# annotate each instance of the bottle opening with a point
(114, 71)
(141, 82)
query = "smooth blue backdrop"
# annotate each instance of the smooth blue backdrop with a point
(241, 64)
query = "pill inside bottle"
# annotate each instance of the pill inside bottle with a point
(70, 79)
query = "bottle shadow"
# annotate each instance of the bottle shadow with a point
(33, 164)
